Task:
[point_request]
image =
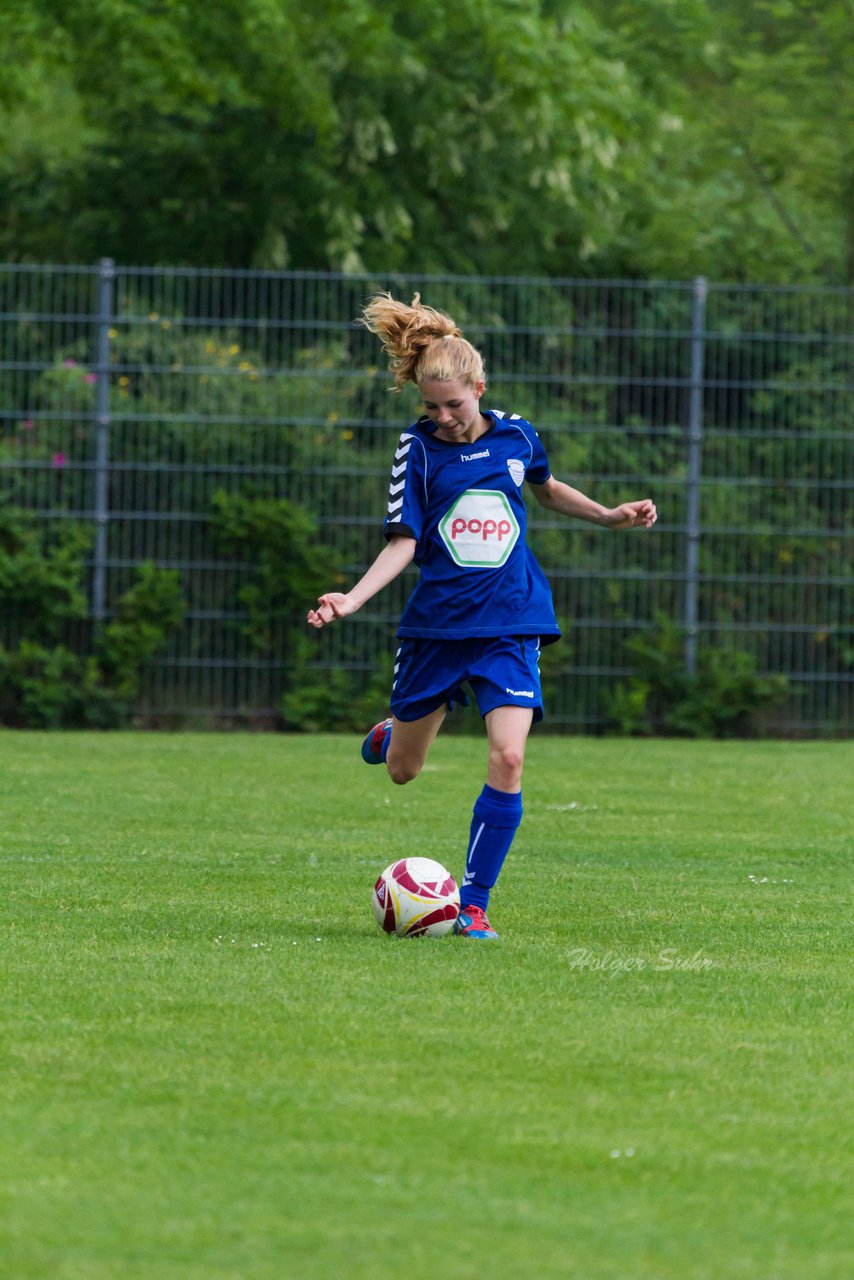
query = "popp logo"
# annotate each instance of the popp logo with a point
(475, 526)
(480, 529)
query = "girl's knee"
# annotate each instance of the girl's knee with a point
(402, 771)
(506, 762)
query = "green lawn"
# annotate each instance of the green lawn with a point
(215, 1065)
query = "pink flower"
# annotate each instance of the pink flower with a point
(28, 424)
(59, 459)
(90, 378)
(69, 363)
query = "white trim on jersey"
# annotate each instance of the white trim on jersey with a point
(511, 423)
(397, 483)
(398, 475)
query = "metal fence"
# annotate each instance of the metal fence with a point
(130, 396)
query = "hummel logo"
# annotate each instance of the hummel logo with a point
(520, 693)
(471, 457)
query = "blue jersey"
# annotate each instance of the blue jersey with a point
(463, 505)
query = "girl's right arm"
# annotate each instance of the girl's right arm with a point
(395, 556)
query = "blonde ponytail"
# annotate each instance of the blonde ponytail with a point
(423, 345)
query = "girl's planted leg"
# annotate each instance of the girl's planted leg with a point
(496, 817)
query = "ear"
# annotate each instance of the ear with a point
(479, 388)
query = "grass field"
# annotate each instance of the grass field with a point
(216, 1066)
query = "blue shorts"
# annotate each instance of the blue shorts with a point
(501, 672)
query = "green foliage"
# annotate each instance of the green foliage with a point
(144, 615)
(46, 684)
(334, 701)
(53, 688)
(41, 583)
(199, 404)
(721, 699)
(280, 541)
(754, 106)
(278, 545)
(633, 139)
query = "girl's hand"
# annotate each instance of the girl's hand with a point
(633, 515)
(329, 607)
(395, 556)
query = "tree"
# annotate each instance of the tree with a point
(610, 137)
(755, 149)
(471, 136)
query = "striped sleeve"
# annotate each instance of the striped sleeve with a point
(405, 514)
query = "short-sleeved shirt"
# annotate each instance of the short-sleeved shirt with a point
(463, 504)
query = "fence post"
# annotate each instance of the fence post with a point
(106, 308)
(695, 469)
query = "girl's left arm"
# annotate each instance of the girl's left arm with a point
(554, 495)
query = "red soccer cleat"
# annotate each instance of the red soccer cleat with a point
(472, 923)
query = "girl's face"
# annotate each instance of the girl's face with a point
(455, 408)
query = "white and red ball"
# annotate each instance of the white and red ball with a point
(416, 897)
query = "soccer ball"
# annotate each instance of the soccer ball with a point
(416, 897)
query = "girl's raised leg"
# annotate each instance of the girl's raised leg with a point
(409, 744)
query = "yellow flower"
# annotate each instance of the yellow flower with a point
(112, 333)
(347, 435)
(233, 349)
(210, 347)
(124, 382)
(165, 324)
(153, 315)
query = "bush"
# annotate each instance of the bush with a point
(280, 540)
(41, 577)
(44, 684)
(721, 699)
(337, 701)
(144, 616)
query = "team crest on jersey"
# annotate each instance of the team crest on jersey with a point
(517, 471)
(480, 529)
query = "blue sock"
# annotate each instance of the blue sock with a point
(497, 815)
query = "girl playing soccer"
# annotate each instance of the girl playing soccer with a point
(482, 606)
